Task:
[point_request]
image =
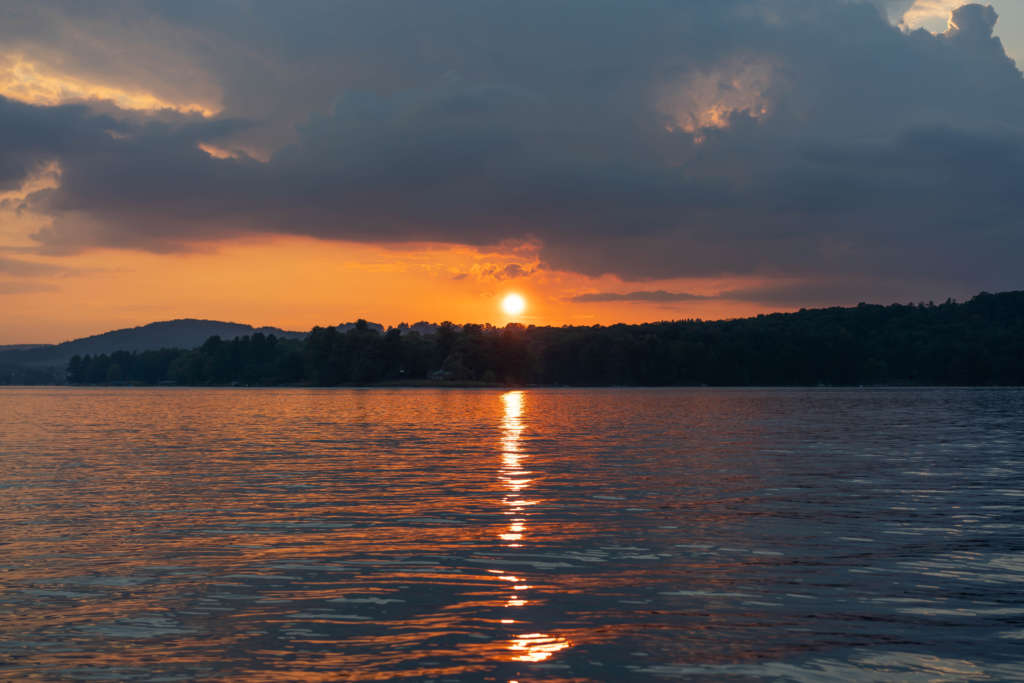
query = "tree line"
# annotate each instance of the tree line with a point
(978, 342)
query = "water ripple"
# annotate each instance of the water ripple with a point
(616, 534)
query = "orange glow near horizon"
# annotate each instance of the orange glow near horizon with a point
(295, 283)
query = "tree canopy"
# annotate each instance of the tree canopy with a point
(979, 342)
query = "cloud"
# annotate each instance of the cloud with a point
(785, 293)
(972, 22)
(810, 138)
(922, 12)
(656, 296)
(499, 271)
(820, 293)
(25, 81)
(21, 268)
(57, 52)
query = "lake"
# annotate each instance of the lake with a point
(542, 534)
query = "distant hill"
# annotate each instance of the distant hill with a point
(33, 363)
(46, 363)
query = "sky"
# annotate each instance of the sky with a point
(306, 163)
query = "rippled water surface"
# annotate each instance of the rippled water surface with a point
(618, 534)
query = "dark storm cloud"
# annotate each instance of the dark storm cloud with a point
(649, 139)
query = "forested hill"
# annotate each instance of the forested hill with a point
(980, 342)
(44, 363)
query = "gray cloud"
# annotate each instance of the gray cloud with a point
(511, 271)
(655, 296)
(817, 292)
(845, 292)
(973, 22)
(21, 268)
(833, 145)
(496, 271)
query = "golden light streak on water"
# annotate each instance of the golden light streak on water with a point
(524, 647)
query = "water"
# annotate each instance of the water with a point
(619, 534)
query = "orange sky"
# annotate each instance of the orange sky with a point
(295, 283)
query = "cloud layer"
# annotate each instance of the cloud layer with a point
(809, 138)
(653, 296)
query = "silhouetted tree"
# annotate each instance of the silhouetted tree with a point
(978, 342)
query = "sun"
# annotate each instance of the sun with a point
(513, 304)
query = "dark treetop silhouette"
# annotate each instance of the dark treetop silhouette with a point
(980, 342)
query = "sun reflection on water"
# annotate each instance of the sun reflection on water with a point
(301, 534)
(516, 480)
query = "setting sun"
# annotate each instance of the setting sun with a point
(490, 341)
(513, 304)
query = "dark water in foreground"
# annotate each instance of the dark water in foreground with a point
(480, 535)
